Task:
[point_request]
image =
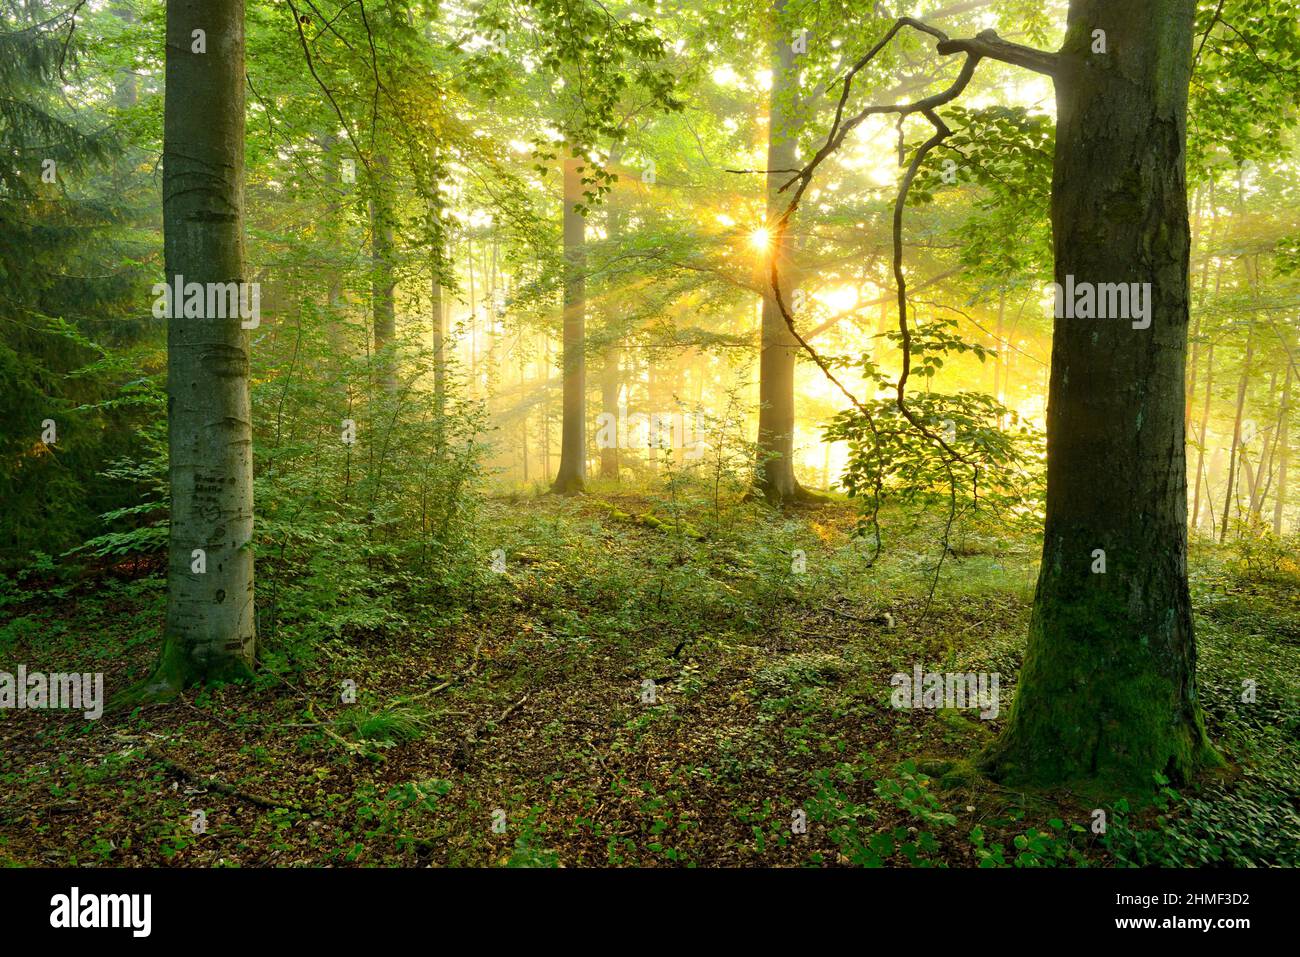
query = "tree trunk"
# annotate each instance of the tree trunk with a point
(210, 630)
(546, 406)
(1284, 438)
(573, 427)
(523, 394)
(609, 389)
(438, 265)
(382, 282)
(999, 348)
(609, 373)
(1107, 692)
(1204, 433)
(125, 86)
(778, 347)
(332, 229)
(1236, 432)
(439, 323)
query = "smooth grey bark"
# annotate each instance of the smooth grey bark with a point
(210, 630)
(778, 346)
(572, 473)
(1107, 693)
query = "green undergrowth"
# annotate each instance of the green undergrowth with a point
(710, 689)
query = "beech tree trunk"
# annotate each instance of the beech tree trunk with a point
(778, 347)
(1107, 693)
(572, 474)
(210, 630)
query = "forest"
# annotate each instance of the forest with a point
(624, 434)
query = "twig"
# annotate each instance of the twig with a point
(221, 786)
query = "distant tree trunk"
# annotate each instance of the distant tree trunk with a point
(124, 85)
(1236, 432)
(573, 428)
(1204, 433)
(382, 282)
(609, 389)
(1107, 692)
(473, 310)
(1260, 475)
(546, 406)
(332, 180)
(1205, 285)
(999, 347)
(1284, 448)
(439, 323)
(437, 318)
(609, 373)
(778, 347)
(523, 393)
(210, 630)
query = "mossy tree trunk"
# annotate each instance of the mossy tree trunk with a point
(210, 631)
(1108, 693)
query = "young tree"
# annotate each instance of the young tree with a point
(210, 626)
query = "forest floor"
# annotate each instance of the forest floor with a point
(513, 727)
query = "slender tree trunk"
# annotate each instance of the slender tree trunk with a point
(332, 179)
(382, 281)
(546, 406)
(439, 323)
(1236, 433)
(210, 630)
(609, 373)
(609, 389)
(1205, 286)
(1107, 693)
(997, 348)
(473, 312)
(1261, 472)
(778, 347)
(1284, 448)
(573, 428)
(125, 86)
(523, 394)
(1204, 433)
